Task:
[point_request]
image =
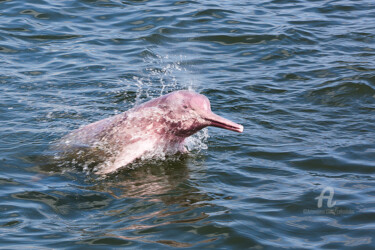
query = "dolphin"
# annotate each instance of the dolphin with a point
(157, 127)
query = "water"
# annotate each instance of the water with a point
(299, 75)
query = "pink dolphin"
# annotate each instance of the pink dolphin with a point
(158, 126)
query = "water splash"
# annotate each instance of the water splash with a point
(198, 141)
(161, 75)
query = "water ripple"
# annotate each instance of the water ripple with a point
(298, 74)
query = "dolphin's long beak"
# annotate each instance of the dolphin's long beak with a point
(220, 122)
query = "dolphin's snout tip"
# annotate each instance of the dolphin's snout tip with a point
(220, 122)
(240, 128)
(236, 128)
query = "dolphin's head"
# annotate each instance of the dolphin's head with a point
(191, 112)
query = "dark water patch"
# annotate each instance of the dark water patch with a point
(262, 88)
(344, 9)
(316, 23)
(4, 181)
(364, 37)
(334, 164)
(277, 55)
(359, 68)
(363, 218)
(65, 204)
(245, 39)
(11, 223)
(114, 241)
(33, 73)
(156, 39)
(215, 13)
(342, 94)
(135, 1)
(16, 29)
(7, 50)
(35, 14)
(49, 37)
(294, 77)
(280, 156)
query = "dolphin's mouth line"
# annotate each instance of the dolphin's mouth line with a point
(235, 127)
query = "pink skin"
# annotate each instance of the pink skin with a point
(157, 126)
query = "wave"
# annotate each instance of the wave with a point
(341, 94)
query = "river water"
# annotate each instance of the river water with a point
(299, 75)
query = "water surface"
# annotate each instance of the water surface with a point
(299, 75)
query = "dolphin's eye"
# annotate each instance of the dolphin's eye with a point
(185, 106)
